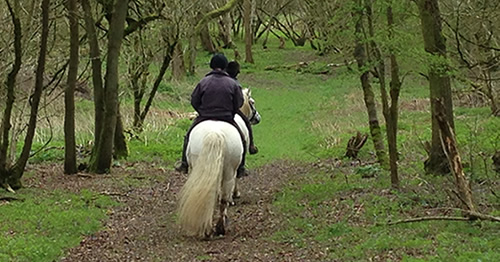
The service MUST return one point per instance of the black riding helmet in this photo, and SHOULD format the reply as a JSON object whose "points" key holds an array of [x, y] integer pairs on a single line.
{"points": [[218, 61], [233, 69]]}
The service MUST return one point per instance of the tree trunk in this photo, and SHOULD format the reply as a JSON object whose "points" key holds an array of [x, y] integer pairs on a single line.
{"points": [[19, 166], [104, 152], [10, 84], [267, 31], [449, 144], [154, 89], [69, 95], [369, 96], [439, 81], [247, 24], [95, 57], [380, 73], [191, 55], [120, 143], [137, 69], [225, 28], [395, 87], [206, 39], [207, 17], [178, 66]]}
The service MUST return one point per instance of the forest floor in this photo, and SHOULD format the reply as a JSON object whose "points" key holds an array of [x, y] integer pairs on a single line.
{"points": [[142, 227]]}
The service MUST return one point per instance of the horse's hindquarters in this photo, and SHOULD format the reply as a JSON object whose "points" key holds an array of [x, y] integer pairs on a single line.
{"points": [[234, 148], [214, 153]]}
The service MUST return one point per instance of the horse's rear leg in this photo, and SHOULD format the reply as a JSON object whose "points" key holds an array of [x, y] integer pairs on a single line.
{"points": [[220, 228], [236, 191], [226, 199]]}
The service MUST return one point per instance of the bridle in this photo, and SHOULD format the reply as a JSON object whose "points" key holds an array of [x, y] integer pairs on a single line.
{"points": [[254, 117]]}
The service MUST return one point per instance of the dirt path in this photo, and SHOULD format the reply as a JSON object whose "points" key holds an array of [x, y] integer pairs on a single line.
{"points": [[142, 228]]}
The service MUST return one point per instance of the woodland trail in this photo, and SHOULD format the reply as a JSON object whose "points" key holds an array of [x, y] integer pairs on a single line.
{"points": [[143, 228]]}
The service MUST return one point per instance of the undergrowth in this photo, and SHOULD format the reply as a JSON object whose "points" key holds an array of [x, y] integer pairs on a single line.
{"points": [[39, 225], [347, 218]]}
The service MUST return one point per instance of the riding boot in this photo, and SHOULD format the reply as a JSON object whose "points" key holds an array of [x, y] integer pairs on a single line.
{"points": [[241, 172], [252, 149], [183, 166]]}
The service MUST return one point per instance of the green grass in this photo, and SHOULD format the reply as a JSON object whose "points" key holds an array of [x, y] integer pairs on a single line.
{"points": [[44, 223], [344, 218]]}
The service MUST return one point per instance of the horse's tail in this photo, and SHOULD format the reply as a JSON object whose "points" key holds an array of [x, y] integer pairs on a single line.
{"points": [[200, 193]]}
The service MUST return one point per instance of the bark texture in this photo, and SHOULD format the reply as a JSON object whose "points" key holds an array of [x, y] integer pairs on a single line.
{"points": [[368, 94], [104, 149], [439, 81], [10, 84], [392, 125], [247, 24], [18, 169], [449, 144], [95, 57], [69, 94]]}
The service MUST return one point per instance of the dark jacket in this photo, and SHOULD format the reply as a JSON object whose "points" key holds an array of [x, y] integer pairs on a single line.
{"points": [[217, 95]]}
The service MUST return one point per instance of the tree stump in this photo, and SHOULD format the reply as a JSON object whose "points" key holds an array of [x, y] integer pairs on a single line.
{"points": [[355, 144]]}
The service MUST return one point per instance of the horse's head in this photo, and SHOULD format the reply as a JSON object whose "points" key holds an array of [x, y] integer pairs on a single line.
{"points": [[248, 108]]}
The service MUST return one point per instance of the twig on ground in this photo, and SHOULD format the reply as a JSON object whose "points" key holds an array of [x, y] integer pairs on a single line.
{"points": [[471, 216], [419, 219], [7, 198], [8, 188], [476, 215]]}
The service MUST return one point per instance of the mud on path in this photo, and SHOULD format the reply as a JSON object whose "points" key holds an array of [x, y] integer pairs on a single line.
{"points": [[143, 228]]}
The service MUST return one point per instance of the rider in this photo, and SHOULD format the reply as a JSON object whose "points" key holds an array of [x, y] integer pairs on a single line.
{"points": [[233, 69], [216, 97]]}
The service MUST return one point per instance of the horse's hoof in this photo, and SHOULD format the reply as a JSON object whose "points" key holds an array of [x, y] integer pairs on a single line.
{"points": [[236, 194], [208, 236], [219, 229]]}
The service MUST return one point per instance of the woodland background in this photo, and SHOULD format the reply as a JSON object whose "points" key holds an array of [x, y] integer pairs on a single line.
{"points": [[394, 104]]}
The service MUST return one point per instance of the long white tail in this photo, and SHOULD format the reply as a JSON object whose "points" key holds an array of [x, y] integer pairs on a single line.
{"points": [[200, 193]]}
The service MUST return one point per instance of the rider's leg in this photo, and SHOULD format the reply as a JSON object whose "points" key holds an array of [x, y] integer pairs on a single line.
{"points": [[241, 172], [241, 169], [183, 166], [252, 149]]}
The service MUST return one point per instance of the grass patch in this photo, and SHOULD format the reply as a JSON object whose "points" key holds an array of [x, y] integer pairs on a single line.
{"points": [[343, 218], [45, 223]]}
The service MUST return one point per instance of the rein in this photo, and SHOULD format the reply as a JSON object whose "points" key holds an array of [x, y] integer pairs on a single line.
{"points": [[253, 112]]}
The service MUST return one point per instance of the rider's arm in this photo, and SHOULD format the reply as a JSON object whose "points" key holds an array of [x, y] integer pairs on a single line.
{"points": [[238, 98], [196, 98]]}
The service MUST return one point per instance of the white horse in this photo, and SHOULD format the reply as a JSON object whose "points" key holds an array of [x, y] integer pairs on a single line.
{"points": [[214, 153]]}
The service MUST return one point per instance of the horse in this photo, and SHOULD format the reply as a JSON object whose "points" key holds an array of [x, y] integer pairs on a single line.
{"points": [[214, 153]]}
